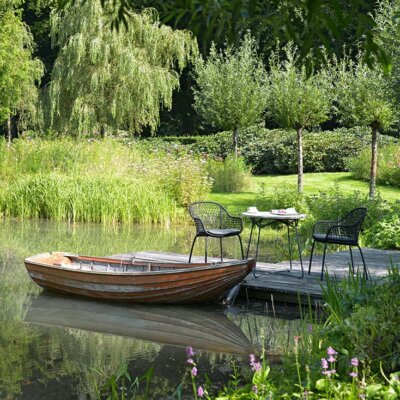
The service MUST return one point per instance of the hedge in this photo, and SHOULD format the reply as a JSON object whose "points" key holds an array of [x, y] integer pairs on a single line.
{"points": [[275, 151]]}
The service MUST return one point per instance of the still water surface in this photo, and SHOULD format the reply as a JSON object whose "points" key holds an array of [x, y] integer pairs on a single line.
{"points": [[58, 347]]}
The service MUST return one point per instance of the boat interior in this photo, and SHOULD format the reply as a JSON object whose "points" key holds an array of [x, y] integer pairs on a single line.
{"points": [[110, 264]]}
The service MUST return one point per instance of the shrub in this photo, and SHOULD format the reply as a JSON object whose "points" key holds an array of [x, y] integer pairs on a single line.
{"points": [[274, 151], [284, 197], [385, 234], [230, 175], [185, 179], [388, 165], [330, 205]]}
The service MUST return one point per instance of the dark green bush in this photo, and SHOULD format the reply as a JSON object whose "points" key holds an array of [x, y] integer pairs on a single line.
{"points": [[275, 151], [385, 234]]}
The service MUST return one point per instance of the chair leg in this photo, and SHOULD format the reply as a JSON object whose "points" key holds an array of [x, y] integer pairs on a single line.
{"points": [[352, 261], [191, 250], [205, 254], [241, 246], [220, 246], [323, 263], [364, 264], [312, 252]]}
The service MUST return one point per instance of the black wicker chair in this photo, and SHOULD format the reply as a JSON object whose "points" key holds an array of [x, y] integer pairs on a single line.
{"points": [[344, 231], [212, 220]]}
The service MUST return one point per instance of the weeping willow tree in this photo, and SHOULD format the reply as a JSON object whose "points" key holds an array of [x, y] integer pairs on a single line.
{"points": [[19, 70], [117, 79]]}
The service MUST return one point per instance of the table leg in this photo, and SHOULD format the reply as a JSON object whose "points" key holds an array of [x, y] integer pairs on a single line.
{"points": [[258, 242], [290, 246], [251, 235], [298, 246]]}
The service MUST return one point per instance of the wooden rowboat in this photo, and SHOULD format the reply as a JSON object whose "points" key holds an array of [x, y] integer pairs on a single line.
{"points": [[136, 280], [201, 328]]}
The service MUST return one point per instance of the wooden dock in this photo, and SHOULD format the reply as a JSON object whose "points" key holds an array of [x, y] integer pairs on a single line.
{"points": [[277, 282]]}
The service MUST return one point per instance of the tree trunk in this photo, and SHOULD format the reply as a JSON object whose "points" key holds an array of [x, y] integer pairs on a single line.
{"points": [[374, 162], [235, 143], [300, 160], [103, 131], [9, 132]]}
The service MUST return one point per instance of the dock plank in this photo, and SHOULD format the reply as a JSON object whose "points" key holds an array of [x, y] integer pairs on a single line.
{"points": [[276, 280]]}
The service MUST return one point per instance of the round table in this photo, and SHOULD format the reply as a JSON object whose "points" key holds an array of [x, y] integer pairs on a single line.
{"points": [[262, 219]]}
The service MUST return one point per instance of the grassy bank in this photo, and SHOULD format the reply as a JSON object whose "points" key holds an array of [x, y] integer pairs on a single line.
{"points": [[327, 196], [110, 181], [313, 183]]}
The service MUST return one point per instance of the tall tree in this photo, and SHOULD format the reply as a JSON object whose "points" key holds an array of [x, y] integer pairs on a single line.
{"points": [[230, 92], [19, 71], [309, 24], [388, 36], [119, 79], [296, 100], [365, 98]]}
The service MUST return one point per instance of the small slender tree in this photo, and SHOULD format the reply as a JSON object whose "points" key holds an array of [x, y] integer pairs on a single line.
{"points": [[297, 100], [230, 91], [19, 70], [365, 98], [107, 78]]}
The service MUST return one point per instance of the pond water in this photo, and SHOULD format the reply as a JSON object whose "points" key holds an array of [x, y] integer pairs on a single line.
{"points": [[55, 347]]}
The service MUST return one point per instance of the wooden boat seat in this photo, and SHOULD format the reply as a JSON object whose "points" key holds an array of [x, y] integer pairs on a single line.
{"points": [[55, 259]]}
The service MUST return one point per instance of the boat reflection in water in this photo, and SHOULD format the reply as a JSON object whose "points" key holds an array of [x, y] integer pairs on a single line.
{"points": [[175, 325]]}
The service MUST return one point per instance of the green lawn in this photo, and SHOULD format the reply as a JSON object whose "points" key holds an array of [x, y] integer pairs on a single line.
{"points": [[238, 202]]}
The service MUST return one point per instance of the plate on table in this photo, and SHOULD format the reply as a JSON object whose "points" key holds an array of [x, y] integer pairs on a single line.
{"points": [[285, 213]]}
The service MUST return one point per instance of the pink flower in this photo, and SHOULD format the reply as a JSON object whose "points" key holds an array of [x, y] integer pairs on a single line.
{"points": [[189, 352], [353, 374], [190, 361], [331, 359], [324, 363], [252, 358], [256, 367], [354, 362], [194, 371], [330, 351], [200, 391], [254, 389]]}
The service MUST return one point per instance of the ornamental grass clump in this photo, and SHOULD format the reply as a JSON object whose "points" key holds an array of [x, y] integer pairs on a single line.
{"points": [[230, 175]]}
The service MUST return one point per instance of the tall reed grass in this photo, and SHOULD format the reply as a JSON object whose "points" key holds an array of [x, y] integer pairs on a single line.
{"points": [[97, 181]]}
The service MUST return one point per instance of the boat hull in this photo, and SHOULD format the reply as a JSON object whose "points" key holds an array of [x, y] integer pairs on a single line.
{"points": [[135, 281]]}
